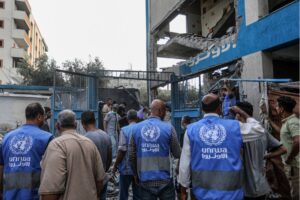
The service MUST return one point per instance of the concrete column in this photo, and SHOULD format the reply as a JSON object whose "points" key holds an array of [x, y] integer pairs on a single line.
{"points": [[255, 9], [256, 65]]}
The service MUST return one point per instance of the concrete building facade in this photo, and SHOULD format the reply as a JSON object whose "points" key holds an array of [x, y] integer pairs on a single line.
{"points": [[250, 39], [20, 38]]}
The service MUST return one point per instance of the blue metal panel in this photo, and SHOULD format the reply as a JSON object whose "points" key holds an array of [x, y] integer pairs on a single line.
{"points": [[279, 80], [25, 87], [194, 113], [92, 94], [272, 31], [77, 112]]}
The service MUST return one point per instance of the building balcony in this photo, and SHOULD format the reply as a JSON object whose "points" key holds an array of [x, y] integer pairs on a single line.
{"points": [[18, 53], [21, 19], [23, 5], [21, 38]]}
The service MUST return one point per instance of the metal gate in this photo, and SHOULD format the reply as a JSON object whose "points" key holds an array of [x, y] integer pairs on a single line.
{"points": [[74, 91]]}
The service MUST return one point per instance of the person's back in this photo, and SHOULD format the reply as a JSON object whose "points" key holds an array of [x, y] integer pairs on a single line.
{"points": [[74, 173], [215, 152], [103, 144], [152, 142], [21, 153], [256, 142], [255, 182], [152, 138], [111, 119], [72, 166]]}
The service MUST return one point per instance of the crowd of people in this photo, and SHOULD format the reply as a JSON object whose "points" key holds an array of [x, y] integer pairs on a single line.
{"points": [[221, 156]]}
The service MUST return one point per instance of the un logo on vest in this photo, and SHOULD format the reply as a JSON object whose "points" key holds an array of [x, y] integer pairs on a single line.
{"points": [[213, 134], [150, 133], [20, 144]]}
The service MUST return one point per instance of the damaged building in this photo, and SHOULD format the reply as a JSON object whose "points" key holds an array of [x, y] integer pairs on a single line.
{"points": [[247, 39]]}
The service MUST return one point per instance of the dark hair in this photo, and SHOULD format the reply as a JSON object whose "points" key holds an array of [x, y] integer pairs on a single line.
{"points": [[187, 119], [47, 109], [33, 110], [212, 106], [88, 117], [287, 103], [132, 115], [246, 107]]}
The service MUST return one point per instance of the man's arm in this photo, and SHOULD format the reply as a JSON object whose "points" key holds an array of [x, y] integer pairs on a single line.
{"points": [[274, 126], [278, 152], [109, 158], [184, 177], [121, 151], [99, 170], [105, 123], [275, 148], [175, 146], [239, 111], [294, 129], [295, 150], [120, 156], [54, 173], [133, 159]]}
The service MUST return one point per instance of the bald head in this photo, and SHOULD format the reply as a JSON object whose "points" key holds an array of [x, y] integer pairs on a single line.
{"points": [[211, 104], [158, 108]]}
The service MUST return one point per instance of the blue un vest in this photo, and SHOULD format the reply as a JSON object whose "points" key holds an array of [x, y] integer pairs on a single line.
{"points": [[152, 138], [215, 159], [124, 167], [22, 151]]}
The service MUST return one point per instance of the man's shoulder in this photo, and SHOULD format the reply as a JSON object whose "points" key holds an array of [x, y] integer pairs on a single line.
{"points": [[228, 121], [97, 134], [129, 126], [65, 138], [293, 120], [33, 131]]}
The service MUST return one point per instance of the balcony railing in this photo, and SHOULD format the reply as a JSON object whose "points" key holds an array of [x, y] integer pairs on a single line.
{"points": [[21, 19], [18, 53], [21, 38], [23, 5]]}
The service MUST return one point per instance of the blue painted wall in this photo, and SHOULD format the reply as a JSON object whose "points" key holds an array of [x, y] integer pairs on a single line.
{"points": [[272, 31]]}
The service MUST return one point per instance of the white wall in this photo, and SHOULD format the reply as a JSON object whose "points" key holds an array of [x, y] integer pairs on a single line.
{"points": [[214, 13], [256, 65], [7, 73], [255, 9], [161, 9], [13, 108]]}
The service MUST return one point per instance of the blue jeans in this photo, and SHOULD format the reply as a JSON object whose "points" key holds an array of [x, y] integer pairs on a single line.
{"points": [[164, 192], [103, 192], [125, 181]]}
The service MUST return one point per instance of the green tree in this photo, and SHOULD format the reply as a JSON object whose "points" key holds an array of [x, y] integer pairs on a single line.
{"points": [[41, 73], [93, 67]]}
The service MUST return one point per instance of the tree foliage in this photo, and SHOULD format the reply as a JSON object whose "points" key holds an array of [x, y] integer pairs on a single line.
{"points": [[42, 73]]}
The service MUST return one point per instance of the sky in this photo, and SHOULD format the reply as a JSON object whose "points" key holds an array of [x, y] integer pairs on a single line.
{"points": [[115, 31]]}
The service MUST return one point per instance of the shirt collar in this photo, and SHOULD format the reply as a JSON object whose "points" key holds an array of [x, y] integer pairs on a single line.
{"points": [[155, 117], [211, 115], [289, 117], [71, 131]]}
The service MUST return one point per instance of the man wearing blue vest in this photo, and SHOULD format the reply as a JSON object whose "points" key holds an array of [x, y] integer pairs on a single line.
{"points": [[151, 144], [21, 153], [122, 161], [210, 158]]}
